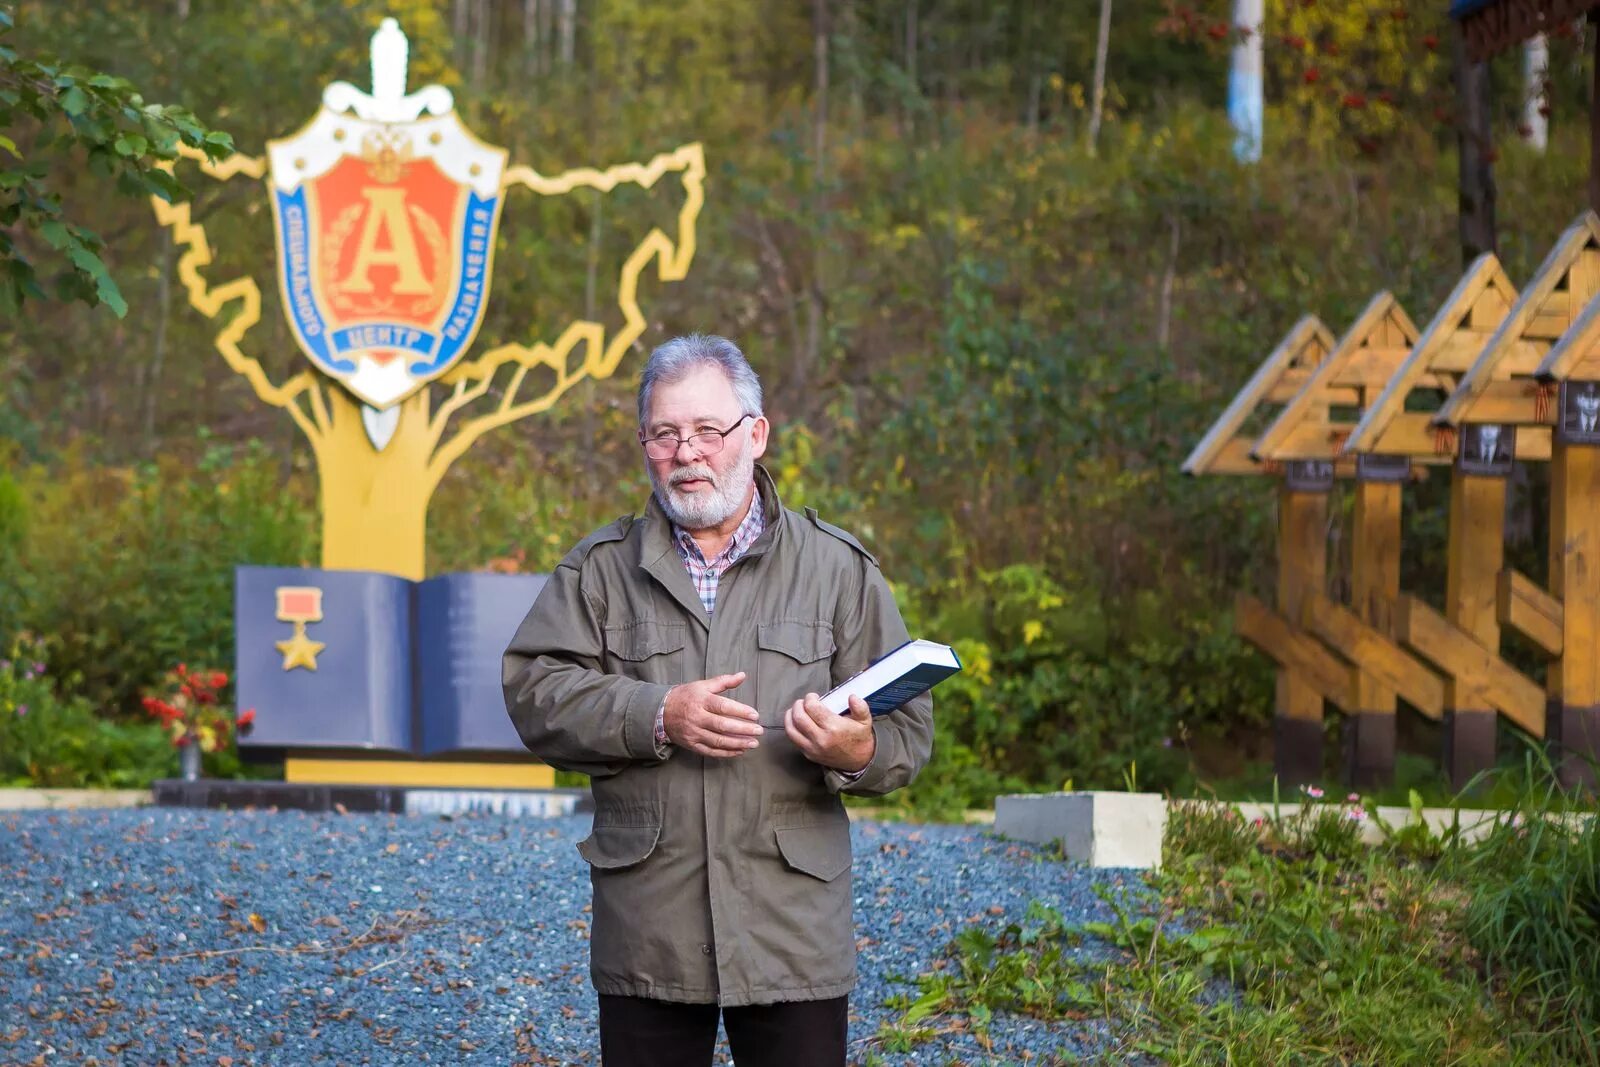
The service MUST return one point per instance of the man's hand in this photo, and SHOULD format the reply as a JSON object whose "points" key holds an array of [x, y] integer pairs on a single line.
{"points": [[843, 742], [697, 719]]}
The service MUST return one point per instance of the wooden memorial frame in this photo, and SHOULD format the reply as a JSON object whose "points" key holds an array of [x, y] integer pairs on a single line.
{"points": [[1447, 349], [1307, 672], [1546, 340], [1368, 355], [1573, 682]]}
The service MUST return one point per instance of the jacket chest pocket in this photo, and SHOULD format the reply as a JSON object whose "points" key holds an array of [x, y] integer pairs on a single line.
{"points": [[648, 650], [796, 659]]}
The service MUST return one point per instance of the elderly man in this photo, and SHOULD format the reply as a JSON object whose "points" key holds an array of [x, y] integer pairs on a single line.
{"points": [[676, 658]]}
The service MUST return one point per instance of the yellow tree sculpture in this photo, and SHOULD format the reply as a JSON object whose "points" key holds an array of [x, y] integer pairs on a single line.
{"points": [[378, 468]]}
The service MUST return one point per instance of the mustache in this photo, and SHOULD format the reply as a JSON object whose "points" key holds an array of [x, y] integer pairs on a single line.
{"points": [[687, 474]]}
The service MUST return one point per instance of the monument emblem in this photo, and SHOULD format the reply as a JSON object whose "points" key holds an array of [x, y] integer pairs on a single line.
{"points": [[386, 211]]}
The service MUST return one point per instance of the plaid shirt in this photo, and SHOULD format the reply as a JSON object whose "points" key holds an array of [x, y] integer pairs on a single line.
{"points": [[706, 575]]}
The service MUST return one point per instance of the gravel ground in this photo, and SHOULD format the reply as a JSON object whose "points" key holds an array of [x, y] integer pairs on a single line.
{"points": [[167, 936]]}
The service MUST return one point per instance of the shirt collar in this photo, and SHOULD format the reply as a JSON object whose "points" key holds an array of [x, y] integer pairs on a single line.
{"points": [[744, 536]]}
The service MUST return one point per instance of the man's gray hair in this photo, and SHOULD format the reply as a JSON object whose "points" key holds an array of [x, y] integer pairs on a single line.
{"points": [[675, 359]]}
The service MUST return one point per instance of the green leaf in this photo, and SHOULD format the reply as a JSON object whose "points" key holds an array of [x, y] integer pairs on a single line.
{"points": [[55, 232], [74, 101]]}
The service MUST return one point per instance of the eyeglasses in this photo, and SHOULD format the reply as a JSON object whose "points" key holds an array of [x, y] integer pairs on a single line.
{"points": [[707, 442]]}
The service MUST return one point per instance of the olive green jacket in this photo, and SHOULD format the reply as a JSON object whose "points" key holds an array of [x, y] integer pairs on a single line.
{"points": [[715, 880]]}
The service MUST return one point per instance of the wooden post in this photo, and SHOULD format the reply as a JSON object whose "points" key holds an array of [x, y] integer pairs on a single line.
{"points": [[1302, 568], [1477, 550], [1374, 587], [1573, 682]]}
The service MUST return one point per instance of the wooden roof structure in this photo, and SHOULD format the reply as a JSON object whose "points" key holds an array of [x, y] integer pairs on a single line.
{"points": [[1225, 449], [1576, 356], [1499, 387], [1448, 347], [1361, 364]]}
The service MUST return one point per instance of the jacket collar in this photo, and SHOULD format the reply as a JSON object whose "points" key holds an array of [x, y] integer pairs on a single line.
{"points": [[659, 556]]}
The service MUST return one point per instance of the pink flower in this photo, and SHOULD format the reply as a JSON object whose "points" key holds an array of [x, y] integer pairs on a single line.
{"points": [[1354, 798], [22, 709], [1260, 820], [1314, 792], [1355, 814]]}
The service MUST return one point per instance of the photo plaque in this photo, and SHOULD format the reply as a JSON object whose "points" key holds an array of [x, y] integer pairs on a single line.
{"points": [[1487, 448]]}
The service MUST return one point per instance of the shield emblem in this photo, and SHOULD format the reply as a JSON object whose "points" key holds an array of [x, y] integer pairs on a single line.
{"points": [[385, 208]]}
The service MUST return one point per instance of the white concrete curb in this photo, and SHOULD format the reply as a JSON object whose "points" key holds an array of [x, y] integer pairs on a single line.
{"points": [[35, 799], [1099, 829]]}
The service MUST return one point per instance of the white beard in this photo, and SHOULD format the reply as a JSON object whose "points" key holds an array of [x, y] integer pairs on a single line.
{"points": [[707, 508]]}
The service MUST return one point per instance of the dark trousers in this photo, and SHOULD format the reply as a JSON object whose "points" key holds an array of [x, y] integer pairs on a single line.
{"points": [[636, 1032]]}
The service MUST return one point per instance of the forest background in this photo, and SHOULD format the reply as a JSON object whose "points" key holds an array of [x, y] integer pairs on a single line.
{"points": [[992, 307]]}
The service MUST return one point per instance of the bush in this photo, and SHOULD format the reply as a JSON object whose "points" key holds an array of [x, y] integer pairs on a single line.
{"points": [[51, 741], [130, 570], [1054, 692]]}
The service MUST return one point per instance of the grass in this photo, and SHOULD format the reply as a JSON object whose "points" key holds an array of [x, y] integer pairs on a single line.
{"points": [[1288, 941]]}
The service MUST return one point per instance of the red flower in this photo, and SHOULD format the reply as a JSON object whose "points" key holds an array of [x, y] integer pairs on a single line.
{"points": [[218, 679], [1217, 31], [1430, 42], [180, 742], [1312, 74], [1354, 101], [247, 716]]}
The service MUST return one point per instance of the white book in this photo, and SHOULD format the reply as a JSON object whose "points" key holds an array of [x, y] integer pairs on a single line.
{"points": [[896, 677]]}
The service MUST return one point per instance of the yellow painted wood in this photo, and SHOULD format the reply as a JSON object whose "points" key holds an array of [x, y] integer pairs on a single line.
{"points": [[1575, 572], [418, 773], [1301, 350], [1476, 549], [1320, 673], [1294, 381], [1479, 672], [1375, 576], [375, 503], [1525, 607], [1302, 569], [1374, 654], [1367, 355], [1311, 439], [1449, 345], [1514, 400], [1518, 326], [1578, 345], [1235, 458]]}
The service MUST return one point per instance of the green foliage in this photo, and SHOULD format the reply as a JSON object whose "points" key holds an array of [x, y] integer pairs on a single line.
{"points": [[1284, 941], [52, 114], [131, 569], [985, 350], [1050, 693], [56, 741], [1534, 916]]}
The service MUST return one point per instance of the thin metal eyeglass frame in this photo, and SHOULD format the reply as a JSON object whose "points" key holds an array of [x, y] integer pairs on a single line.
{"points": [[701, 449]]}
